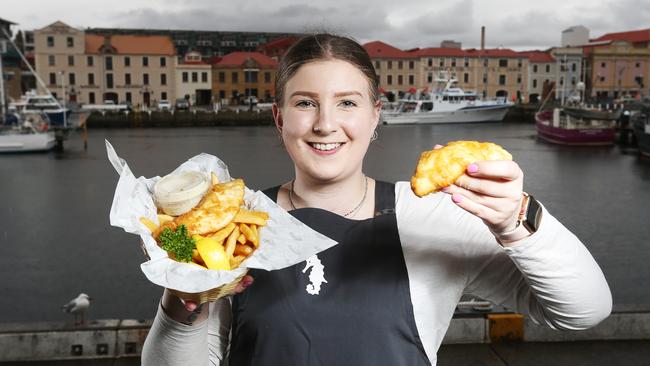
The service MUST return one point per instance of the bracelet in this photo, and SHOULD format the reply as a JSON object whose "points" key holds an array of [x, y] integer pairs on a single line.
{"points": [[518, 233]]}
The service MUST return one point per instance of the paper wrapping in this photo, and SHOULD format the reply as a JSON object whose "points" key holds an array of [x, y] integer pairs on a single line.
{"points": [[284, 241]]}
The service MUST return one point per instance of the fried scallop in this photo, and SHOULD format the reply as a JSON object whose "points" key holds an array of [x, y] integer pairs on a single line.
{"points": [[440, 168], [216, 210]]}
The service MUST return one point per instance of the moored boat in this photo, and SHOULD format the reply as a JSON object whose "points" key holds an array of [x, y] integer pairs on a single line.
{"points": [[30, 135], [559, 127], [641, 127]]}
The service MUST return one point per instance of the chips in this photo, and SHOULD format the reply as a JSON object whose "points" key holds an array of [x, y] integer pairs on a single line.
{"points": [[236, 234]]}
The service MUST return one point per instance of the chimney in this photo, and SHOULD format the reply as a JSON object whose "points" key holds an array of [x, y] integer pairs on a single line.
{"points": [[482, 38]]}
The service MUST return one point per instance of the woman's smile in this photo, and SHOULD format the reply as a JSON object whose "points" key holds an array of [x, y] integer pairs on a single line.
{"points": [[322, 148]]}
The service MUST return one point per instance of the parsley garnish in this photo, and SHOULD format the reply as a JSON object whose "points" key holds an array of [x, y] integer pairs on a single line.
{"points": [[178, 242]]}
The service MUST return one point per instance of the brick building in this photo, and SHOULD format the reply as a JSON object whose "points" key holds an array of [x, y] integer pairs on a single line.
{"points": [[239, 75]]}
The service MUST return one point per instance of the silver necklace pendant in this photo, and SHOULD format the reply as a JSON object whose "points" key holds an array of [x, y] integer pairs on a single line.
{"points": [[355, 209]]}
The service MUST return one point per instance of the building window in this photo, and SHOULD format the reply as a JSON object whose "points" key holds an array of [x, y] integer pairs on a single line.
{"points": [[466, 63], [548, 68], [109, 81], [442, 62], [70, 41], [127, 79], [163, 96], [250, 76], [71, 78], [400, 80], [145, 79], [128, 97], [603, 65], [222, 94], [429, 77], [602, 79], [573, 80], [50, 41], [267, 77], [127, 61], [52, 78], [195, 77], [519, 62], [145, 61], [390, 65], [411, 65], [377, 63], [430, 62], [51, 60], [534, 83], [185, 79], [235, 77], [573, 67], [503, 62], [70, 60], [465, 78], [109, 62], [163, 79], [204, 77], [389, 79], [163, 62], [485, 62], [453, 62], [519, 79], [411, 79], [91, 79], [534, 68], [222, 77], [638, 64], [400, 65], [485, 78], [502, 80], [91, 98], [90, 61], [561, 81]]}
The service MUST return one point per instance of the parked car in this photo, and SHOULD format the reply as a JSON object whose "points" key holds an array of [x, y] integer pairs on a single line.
{"points": [[182, 104], [164, 105], [250, 100]]}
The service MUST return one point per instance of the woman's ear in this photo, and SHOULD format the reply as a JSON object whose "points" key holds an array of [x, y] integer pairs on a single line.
{"points": [[377, 113], [277, 117]]}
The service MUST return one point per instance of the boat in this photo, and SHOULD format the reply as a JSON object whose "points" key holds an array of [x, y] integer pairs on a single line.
{"points": [[641, 128], [37, 104], [450, 104], [29, 135], [558, 126], [589, 112]]}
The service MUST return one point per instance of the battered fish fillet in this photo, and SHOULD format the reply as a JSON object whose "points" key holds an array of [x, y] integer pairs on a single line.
{"points": [[442, 167], [216, 210]]}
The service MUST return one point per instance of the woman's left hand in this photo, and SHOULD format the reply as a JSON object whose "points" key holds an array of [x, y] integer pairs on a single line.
{"points": [[492, 191]]}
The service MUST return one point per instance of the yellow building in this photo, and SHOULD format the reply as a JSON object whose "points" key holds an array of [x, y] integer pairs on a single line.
{"points": [[241, 75]]}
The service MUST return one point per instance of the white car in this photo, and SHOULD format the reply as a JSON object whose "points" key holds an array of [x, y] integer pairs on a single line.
{"points": [[164, 105]]}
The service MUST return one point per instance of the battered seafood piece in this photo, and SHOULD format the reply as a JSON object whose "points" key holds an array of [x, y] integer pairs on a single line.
{"points": [[442, 167], [216, 210]]}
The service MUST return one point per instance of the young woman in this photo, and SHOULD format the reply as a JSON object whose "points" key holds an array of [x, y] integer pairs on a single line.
{"points": [[386, 293]]}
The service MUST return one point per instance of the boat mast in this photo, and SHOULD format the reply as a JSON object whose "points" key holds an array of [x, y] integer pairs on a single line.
{"points": [[40, 81], [2, 87]]}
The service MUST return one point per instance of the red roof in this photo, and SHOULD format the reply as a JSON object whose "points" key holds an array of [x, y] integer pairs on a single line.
{"points": [[131, 44], [379, 49], [636, 36], [441, 52], [493, 52], [538, 56], [284, 42], [236, 59]]}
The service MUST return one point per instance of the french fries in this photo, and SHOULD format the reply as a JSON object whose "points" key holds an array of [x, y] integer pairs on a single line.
{"points": [[238, 239]]}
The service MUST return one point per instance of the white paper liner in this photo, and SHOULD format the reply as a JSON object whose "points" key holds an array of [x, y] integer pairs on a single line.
{"points": [[285, 241]]}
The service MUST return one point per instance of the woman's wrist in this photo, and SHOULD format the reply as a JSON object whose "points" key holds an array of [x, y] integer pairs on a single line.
{"points": [[177, 310]]}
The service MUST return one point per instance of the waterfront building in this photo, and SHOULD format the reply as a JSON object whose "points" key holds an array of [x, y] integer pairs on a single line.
{"points": [[397, 71], [93, 68], [277, 48], [577, 35], [569, 72], [238, 76], [194, 79], [541, 74], [208, 43]]}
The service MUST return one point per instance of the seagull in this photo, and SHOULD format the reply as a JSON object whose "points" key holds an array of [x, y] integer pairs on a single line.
{"points": [[78, 307]]}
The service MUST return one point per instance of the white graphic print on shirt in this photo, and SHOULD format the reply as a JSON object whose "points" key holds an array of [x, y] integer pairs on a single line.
{"points": [[316, 275]]}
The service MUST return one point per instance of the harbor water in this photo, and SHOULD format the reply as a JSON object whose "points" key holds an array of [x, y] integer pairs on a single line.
{"points": [[56, 238]]}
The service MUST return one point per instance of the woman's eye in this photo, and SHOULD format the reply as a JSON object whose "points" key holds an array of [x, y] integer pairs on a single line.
{"points": [[305, 104], [348, 103]]}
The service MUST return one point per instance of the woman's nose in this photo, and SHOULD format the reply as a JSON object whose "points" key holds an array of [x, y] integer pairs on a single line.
{"points": [[326, 122]]}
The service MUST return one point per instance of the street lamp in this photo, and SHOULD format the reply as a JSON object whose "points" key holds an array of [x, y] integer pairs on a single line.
{"points": [[65, 117]]}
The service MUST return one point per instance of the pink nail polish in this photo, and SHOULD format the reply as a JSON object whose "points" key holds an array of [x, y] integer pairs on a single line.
{"points": [[472, 168], [247, 282], [456, 198], [445, 189]]}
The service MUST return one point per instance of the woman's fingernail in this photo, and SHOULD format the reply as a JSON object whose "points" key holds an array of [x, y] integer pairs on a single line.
{"points": [[472, 168], [246, 282], [445, 189], [438, 146], [457, 198], [190, 305]]}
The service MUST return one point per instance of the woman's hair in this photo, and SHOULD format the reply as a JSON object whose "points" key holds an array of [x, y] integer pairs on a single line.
{"points": [[322, 47]]}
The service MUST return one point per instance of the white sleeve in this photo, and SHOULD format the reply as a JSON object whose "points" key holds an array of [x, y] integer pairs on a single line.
{"points": [[549, 275], [172, 343]]}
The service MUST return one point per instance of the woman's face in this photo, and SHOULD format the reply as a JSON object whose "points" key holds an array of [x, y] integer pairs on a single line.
{"points": [[327, 119]]}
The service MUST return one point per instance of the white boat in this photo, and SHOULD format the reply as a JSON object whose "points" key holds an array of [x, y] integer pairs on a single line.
{"points": [[449, 105], [37, 104], [28, 136]]}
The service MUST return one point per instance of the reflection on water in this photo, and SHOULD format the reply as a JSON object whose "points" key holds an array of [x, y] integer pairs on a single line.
{"points": [[57, 240]]}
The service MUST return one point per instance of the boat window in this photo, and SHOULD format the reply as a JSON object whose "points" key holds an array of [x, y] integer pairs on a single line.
{"points": [[426, 106], [408, 107]]}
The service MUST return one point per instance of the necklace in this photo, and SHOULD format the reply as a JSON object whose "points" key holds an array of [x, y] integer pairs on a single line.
{"points": [[355, 209]]}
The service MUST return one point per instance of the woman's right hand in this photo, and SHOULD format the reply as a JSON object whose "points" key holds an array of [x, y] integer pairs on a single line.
{"points": [[241, 286]]}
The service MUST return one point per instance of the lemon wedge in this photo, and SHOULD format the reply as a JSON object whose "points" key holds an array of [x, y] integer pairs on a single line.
{"points": [[212, 253]]}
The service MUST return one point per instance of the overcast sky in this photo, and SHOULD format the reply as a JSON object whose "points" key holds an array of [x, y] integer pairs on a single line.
{"points": [[517, 24]]}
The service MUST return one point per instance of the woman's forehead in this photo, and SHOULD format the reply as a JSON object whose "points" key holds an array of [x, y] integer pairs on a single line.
{"points": [[328, 76]]}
